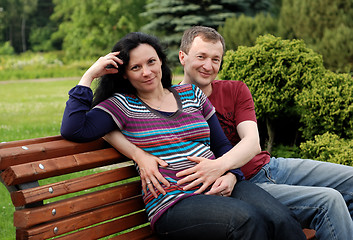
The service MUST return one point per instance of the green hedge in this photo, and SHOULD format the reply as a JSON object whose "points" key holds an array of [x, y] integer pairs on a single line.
{"points": [[329, 147]]}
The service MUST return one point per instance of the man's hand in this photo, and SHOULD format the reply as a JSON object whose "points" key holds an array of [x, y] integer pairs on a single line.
{"points": [[224, 185], [206, 172]]}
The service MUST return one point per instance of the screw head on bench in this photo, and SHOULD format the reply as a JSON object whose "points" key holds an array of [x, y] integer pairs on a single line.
{"points": [[56, 229], [24, 148], [53, 212], [41, 166], [51, 190]]}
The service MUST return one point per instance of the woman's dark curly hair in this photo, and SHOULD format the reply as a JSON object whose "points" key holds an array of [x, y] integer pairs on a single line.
{"points": [[116, 83]]}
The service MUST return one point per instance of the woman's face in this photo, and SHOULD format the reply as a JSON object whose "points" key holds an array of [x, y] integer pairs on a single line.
{"points": [[144, 70]]}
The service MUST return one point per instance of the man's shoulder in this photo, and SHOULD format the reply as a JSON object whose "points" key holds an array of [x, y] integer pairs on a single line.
{"points": [[228, 82], [228, 85]]}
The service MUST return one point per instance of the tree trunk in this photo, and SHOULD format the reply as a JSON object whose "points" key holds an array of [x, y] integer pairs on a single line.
{"points": [[271, 136], [23, 34]]}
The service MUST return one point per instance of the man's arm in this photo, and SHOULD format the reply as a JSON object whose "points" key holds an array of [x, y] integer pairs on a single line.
{"points": [[207, 171]]}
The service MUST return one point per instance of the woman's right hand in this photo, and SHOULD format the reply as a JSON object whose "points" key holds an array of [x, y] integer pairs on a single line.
{"points": [[148, 164], [104, 65], [149, 173]]}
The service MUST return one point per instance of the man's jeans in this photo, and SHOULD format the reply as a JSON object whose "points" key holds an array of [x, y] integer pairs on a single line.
{"points": [[320, 194], [250, 213]]}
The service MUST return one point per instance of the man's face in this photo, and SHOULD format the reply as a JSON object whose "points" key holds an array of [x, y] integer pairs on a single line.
{"points": [[202, 63]]}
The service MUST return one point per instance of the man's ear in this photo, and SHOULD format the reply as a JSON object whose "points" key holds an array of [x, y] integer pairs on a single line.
{"points": [[181, 57]]}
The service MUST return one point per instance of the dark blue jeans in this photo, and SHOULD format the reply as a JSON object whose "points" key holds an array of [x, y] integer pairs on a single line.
{"points": [[250, 213]]}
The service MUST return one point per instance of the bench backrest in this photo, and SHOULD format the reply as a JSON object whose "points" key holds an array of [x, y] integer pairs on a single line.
{"points": [[72, 190]]}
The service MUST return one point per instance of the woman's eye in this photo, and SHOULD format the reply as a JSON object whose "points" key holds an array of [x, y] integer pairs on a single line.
{"points": [[134, 68], [151, 61]]}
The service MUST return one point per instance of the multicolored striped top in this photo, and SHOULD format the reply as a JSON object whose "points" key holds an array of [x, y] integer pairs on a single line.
{"points": [[170, 137]]}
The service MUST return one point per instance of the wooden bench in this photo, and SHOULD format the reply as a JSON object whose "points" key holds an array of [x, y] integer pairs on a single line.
{"points": [[105, 203]]}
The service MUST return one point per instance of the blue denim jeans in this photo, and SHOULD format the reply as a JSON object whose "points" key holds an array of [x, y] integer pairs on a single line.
{"points": [[320, 194], [250, 213]]}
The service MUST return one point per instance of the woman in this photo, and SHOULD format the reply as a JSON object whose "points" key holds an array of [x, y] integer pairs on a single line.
{"points": [[170, 122]]}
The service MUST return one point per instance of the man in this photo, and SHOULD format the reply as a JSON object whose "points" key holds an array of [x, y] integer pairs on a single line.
{"points": [[320, 194]]}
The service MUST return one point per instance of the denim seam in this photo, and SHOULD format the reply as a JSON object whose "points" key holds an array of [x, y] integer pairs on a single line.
{"points": [[183, 229], [332, 231]]}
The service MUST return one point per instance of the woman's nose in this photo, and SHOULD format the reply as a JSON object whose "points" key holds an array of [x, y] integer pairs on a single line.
{"points": [[146, 71]]}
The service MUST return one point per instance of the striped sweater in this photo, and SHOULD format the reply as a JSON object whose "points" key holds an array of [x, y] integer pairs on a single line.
{"points": [[171, 138]]}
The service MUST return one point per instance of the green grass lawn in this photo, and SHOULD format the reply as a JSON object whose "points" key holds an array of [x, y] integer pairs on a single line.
{"points": [[28, 109], [32, 109]]}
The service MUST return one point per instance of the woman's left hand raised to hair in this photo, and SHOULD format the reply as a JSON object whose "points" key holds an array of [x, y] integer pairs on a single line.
{"points": [[104, 65]]}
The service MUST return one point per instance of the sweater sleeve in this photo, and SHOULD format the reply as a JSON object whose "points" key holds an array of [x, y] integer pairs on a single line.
{"points": [[80, 123], [220, 143]]}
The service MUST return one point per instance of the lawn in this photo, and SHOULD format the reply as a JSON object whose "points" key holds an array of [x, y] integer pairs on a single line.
{"points": [[29, 109], [32, 109]]}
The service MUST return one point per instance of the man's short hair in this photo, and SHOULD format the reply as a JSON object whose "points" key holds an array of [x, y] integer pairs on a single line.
{"points": [[206, 33]]}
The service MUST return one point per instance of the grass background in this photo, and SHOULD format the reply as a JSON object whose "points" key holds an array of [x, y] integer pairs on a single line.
{"points": [[28, 109]]}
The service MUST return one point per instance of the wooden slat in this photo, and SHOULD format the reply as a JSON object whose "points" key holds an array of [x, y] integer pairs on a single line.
{"points": [[22, 197], [45, 150], [28, 217], [87, 219], [26, 142], [309, 233], [30, 172], [138, 234], [109, 228]]}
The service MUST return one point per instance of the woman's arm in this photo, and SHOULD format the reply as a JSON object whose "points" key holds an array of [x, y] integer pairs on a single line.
{"points": [[79, 123], [148, 164]]}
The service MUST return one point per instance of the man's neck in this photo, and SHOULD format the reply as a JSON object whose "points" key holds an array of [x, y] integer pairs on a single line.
{"points": [[207, 89]]}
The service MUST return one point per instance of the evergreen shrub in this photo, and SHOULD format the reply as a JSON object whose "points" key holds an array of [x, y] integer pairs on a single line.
{"points": [[329, 147]]}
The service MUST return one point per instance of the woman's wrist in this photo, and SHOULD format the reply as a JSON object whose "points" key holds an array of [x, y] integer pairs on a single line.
{"points": [[86, 80]]}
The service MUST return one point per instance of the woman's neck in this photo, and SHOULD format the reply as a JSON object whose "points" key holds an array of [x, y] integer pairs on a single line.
{"points": [[155, 99]]}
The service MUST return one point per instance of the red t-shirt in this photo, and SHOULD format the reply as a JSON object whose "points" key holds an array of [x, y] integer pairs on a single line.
{"points": [[234, 104]]}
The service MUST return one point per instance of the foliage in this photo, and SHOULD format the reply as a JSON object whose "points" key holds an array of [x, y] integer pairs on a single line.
{"points": [[90, 28], [329, 147], [327, 105], [311, 20], [337, 48], [243, 30], [16, 14], [285, 151], [275, 71], [6, 49], [30, 65], [169, 18], [41, 28]]}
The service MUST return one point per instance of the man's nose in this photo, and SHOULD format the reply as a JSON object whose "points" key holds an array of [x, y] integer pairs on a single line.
{"points": [[207, 64]]}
